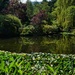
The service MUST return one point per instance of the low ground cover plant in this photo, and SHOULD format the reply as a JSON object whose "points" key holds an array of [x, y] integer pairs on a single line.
{"points": [[36, 64]]}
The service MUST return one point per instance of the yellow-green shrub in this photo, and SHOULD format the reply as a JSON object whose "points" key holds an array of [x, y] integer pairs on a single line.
{"points": [[47, 29], [27, 30]]}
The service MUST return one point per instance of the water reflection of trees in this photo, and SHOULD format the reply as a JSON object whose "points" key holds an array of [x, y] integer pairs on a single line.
{"points": [[12, 44], [64, 44], [54, 44]]}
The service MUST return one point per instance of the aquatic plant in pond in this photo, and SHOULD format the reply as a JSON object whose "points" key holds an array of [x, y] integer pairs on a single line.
{"points": [[36, 64]]}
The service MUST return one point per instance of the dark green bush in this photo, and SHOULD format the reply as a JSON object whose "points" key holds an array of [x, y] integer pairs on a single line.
{"points": [[9, 25]]}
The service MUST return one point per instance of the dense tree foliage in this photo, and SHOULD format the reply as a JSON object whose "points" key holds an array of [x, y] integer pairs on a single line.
{"points": [[3, 4], [18, 9], [49, 16], [29, 9], [38, 18], [64, 14], [51, 5]]}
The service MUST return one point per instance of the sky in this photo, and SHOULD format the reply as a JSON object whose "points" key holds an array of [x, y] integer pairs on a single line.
{"points": [[31, 0]]}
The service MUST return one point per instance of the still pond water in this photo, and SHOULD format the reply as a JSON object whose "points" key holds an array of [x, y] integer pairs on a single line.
{"points": [[48, 44]]}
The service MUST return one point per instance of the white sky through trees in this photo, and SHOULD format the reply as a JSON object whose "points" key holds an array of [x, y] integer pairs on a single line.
{"points": [[32, 0]]}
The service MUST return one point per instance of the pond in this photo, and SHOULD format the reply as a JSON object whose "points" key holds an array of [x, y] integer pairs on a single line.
{"points": [[59, 44]]}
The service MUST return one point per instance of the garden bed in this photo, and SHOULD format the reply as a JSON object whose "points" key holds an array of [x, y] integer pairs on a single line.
{"points": [[36, 64]]}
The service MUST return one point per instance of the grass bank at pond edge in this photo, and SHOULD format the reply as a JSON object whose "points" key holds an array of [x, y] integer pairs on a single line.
{"points": [[36, 64]]}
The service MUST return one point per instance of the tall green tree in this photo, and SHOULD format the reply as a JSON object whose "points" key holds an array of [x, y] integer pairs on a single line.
{"points": [[51, 5], [29, 9], [43, 6], [70, 18], [35, 8], [61, 13], [44, 1], [3, 4]]}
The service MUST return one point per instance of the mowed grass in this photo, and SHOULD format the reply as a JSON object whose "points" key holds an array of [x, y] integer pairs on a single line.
{"points": [[36, 64]]}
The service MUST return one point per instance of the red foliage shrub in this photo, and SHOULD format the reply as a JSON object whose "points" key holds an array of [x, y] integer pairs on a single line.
{"points": [[18, 9], [38, 18]]}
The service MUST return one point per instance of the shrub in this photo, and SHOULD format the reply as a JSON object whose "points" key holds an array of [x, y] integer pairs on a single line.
{"points": [[28, 30], [47, 29], [38, 18], [9, 25]]}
